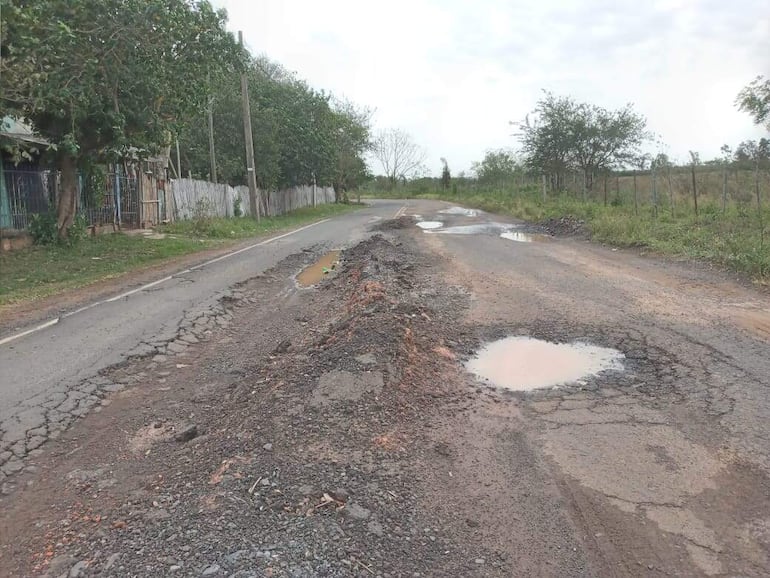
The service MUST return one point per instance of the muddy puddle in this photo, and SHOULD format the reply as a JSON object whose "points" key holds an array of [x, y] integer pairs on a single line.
{"points": [[315, 273], [520, 237], [478, 229], [523, 363], [428, 225], [460, 211]]}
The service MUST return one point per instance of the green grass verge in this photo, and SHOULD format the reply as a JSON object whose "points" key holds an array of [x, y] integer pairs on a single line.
{"points": [[243, 227], [732, 240], [41, 271]]}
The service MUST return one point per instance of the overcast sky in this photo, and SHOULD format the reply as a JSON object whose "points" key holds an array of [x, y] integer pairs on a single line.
{"points": [[453, 73]]}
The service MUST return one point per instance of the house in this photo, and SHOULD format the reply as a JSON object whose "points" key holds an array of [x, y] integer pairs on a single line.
{"points": [[26, 185]]}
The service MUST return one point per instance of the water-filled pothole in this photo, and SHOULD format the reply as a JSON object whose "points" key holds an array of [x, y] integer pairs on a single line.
{"points": [[520, 237], [523, 363], [477, 229], [314, 273], [460, 211], [430, 225]]}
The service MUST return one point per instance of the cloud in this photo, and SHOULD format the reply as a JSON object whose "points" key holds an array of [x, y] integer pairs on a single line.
{"points": [[454, 73]]}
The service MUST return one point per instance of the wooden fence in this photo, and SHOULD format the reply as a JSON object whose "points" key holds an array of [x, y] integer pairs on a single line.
{"points": [[195, 199]]}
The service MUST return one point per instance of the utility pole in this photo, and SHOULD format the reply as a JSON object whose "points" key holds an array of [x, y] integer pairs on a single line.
{"points": [[212, 156], [178, 160], [249, 138]]}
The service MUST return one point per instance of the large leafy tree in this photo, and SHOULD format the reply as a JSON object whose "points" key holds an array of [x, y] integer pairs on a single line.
{"points": [[95, 77], [755, 100], [562, 134], [498, 167], [300, 134]]}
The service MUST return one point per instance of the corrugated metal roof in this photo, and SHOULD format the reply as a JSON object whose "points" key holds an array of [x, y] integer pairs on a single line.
{"points": [[18, 130]]}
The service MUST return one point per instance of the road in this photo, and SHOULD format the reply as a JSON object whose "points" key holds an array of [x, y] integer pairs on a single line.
{"points": [[44, 381], [343, 436], [667, 464]]}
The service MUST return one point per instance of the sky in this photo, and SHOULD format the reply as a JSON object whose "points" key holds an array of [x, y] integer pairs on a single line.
{"points": [[455, 73]]}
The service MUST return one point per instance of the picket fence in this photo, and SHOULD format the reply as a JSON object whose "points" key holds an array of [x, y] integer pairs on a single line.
{"points": [[195, 199]]}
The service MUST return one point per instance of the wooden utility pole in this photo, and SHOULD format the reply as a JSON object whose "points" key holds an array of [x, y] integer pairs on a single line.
{"points": [[249, 138], [212, 155], [178, 160]]}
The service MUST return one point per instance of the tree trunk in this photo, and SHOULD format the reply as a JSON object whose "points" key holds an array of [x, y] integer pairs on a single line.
{"points": [[68, 195]]}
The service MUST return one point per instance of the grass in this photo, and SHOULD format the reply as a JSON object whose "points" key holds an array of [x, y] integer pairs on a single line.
{"points": [[243, 227], [732, 240], [41, 271]]}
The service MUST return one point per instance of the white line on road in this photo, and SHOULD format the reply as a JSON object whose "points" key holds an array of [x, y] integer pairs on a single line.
{"points": [[28, 331], [56, 320]]}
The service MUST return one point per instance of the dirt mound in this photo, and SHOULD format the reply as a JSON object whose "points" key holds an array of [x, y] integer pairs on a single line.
{"points": [[309, 456], [403, 222]]}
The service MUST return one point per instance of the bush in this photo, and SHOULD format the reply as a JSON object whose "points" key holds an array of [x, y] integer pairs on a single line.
{"points": [[44, 231], [42, 227]]}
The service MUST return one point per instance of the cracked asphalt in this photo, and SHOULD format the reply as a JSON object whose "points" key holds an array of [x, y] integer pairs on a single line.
{"points": [[666, 463], [662, 469], [51, 378]]}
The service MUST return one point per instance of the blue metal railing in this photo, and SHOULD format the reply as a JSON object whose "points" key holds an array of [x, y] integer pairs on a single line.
{"points": [[24, 193]]}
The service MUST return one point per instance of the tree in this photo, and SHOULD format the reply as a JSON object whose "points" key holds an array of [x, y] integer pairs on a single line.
{"points": [[498, 167], [107, 75], [563, 134], [545, 137], [754, 99], [446, 175], [352, 141], [398, 154], [300, 135]]}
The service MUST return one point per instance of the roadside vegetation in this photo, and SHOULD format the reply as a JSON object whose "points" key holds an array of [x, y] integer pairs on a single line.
{"points": [[43, 270], [593, 168], [731, 239]]}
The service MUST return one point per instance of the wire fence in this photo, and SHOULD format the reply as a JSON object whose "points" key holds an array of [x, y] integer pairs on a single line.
{"points": [[24, 193]]}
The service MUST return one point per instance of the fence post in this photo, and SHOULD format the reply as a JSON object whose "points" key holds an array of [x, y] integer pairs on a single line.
{"points": [[117, 213]]}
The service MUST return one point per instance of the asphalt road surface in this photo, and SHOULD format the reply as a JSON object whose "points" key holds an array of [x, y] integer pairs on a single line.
{"points": [[658, 467], [43, 376]]}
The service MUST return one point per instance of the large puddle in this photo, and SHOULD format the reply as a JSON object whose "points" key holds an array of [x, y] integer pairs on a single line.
{"points": [[460, 211], [523, 363], [315, 273], [479, 229], [427, 225], [520, 237]]}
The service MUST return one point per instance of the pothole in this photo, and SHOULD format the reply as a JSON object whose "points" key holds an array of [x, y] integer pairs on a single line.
{"points": [[426, 225], [523, 363], [520, 237], [478, 229], [315, 273], [460, 211]]}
